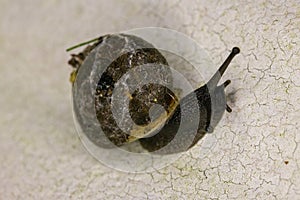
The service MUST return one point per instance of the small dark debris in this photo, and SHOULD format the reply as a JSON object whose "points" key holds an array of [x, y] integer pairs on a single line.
{"points": [[286, 162]]}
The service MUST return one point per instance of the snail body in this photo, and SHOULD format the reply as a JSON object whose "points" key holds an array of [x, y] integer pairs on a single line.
{"points": [[108, 61]]}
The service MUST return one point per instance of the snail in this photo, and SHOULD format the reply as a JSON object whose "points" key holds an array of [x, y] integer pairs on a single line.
{"points": [[96, 77]]}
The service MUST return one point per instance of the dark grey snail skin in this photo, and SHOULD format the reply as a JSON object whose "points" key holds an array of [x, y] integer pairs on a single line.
{"points": [[211, 104], [134, 51]]}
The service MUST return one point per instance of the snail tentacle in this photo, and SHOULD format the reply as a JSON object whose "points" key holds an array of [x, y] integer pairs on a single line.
{"points": [[228, 109], [226, 83], [212, 83]]}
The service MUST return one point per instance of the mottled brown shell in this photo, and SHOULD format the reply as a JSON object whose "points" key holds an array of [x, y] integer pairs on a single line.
{"points": [[131, 52]]}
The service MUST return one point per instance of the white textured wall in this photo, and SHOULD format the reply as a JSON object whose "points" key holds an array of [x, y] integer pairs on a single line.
{"points": [[256, 149]]}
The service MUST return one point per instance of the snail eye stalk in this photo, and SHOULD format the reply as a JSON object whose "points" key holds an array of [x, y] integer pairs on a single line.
{"points": [[212, 83]]}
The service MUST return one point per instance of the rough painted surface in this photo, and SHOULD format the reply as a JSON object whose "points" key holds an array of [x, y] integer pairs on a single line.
{"points": [[254, 153]]}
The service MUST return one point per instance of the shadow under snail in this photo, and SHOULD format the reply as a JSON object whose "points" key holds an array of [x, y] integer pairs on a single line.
{"points": [[112, 56]]}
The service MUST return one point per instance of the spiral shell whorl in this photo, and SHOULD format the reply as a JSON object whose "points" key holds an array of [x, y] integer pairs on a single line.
{"points": [[111, 60]]}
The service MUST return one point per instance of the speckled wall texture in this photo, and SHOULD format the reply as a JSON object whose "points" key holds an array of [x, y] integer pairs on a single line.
{"points": [[254, 151]]}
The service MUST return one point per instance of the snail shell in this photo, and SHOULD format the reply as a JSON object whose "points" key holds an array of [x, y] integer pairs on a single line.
{"points": [[101, 73]]}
